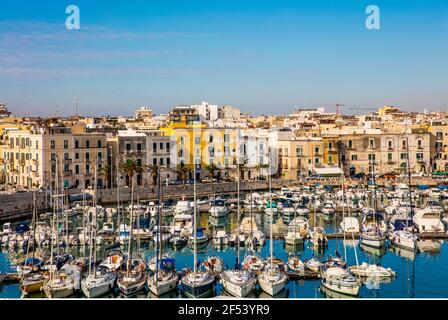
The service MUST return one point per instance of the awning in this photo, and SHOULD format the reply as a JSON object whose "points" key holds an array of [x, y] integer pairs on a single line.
{"points": [[328, 172]]}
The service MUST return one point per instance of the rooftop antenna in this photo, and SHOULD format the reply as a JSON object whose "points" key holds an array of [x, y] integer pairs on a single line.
{"points": [[76, 105]]}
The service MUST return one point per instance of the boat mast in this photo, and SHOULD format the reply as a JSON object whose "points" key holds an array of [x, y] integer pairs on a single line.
{"points": [[195, 259], [343, 208], [272, 216], [409, 175], [238, 209], [130, 227], [53, 222], [158, 225]]}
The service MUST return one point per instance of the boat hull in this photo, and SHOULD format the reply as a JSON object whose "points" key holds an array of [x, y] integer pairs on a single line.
{"points": [[272, 287], [162, 287], [198, 291], [334, 286], [97, 291], [239, 290]]}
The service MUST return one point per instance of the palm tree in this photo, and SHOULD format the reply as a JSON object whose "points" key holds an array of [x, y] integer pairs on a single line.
{"points": [[182, 172], [154, 173], [211, 168], [107, 171]]}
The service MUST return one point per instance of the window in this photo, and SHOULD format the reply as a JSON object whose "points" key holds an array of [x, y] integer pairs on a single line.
{"points": [[167, 161], [99, 144], [372, 143], [154, 161], [53, 157], [389, 157], [167, 146], [65, 144], [77, 155], [330, 145], [316, 160], [76, 144], [210, 138], [37, 144], [403, 156], [316, 150], [419, 143], [161, 145], [354, 157], [403, 144], [299, 151], [389, 144], [77, 169], [139, 147], [330, 159], [87, 156], [100, 156], [227, 139], [350, 144], [128, 147], [52, 144], [371, 157], [226, 150], [419, 156], [11, 142], [154, 147], [139, 162], [343, 157], [161, 161], [87, 143], [211, 151], [87, 168], [182, 140], [66, 168], [66, 156]]}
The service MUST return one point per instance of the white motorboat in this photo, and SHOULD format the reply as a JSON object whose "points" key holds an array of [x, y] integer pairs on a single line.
{"points": [[183, 207], [220, 238], [428, 221], [218, 209], [372, 270], [293, 236], [350, 225]]}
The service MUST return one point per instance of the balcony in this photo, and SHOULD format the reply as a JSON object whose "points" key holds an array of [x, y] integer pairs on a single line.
{"points": [[68, 172], [390, 162], [67, 161], [390, 148]]}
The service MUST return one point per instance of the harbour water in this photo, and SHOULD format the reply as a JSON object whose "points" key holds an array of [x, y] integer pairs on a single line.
{"points": [[419, 275]]}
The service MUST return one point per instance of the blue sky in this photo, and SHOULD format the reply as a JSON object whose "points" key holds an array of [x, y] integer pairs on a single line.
{"points": [[261, 56]]}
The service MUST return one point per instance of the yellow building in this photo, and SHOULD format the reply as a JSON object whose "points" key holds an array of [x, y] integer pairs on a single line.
{"points": [[197, 143]]}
